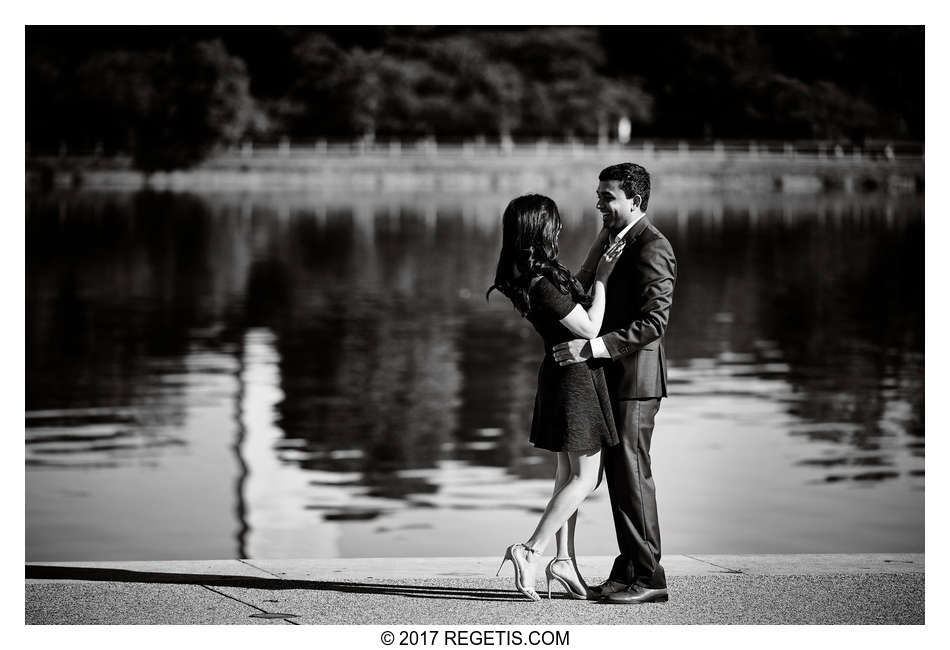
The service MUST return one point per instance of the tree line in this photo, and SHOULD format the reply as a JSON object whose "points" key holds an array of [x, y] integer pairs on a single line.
{"points": [[171, 95]]}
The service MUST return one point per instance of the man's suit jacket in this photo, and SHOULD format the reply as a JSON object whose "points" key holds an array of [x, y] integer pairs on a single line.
{"points": [[639, 297]]}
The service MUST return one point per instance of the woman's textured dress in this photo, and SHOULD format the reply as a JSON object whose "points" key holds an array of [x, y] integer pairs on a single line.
{"points": [[572, 408]]}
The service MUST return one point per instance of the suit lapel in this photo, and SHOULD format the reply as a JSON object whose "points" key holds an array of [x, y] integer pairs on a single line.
{"points": [[637, 230], [630, 236], [619, 282]]}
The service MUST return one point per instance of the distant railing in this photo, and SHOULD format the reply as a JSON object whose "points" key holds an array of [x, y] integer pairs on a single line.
{"points": [[285, 148], [817, 148]]}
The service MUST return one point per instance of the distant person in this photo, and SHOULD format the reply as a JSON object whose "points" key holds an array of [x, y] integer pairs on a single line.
{"points": [[572, 410], [639, 297]]}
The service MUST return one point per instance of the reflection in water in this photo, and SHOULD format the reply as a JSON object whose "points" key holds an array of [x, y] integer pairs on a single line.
{"points": [[273, 491], [331, 375]]}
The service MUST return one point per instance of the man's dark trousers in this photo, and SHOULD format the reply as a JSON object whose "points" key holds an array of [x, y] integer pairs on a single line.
{"points": [[633, 495]]}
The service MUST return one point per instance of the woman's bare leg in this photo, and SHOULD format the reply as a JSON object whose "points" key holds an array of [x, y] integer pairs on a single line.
{"points": [[565, 534], [560, 513], [564, 537], [562, 506]]}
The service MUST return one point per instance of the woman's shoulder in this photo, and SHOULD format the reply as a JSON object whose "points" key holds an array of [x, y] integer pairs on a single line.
{"points": [[547, 295], [535, 281], [542, 284]]}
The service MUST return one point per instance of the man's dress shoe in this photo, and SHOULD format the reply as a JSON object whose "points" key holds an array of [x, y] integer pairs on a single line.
{"points": [[604, 588], [637, 595]]}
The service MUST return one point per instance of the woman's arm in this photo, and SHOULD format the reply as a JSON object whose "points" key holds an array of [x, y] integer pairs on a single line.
{"points": [[586, 323]]}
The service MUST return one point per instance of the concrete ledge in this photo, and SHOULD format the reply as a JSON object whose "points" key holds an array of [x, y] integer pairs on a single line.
{"points": [[422, 568], [747, 589]]}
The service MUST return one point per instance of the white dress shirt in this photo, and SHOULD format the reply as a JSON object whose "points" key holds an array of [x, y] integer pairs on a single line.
{"points": [[597, 347]]}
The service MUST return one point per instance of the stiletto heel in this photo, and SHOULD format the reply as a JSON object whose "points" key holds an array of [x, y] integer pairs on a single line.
{"points": [[503, 560], [576, 591]]}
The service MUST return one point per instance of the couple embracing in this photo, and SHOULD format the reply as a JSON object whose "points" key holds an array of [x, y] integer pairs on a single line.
{"points": [[601, 380]]}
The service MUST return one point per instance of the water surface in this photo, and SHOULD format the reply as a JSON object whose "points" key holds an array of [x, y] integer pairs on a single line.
{"points": [[305, 376]]}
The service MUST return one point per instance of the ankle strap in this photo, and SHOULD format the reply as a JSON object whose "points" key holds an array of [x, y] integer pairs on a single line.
{"points": [[529, 549]]}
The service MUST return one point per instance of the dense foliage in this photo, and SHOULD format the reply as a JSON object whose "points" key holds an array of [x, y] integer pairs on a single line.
{"points": [[170, 95]]}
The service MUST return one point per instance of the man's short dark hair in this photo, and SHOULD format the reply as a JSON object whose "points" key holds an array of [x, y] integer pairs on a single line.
{"points": [[633, 178]]}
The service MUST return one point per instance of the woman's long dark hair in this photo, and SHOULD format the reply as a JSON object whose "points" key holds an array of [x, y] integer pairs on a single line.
{"points": [[530, 227]]}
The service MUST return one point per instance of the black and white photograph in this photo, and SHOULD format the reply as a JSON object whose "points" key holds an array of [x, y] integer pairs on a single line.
{"points": [[474, 333]]}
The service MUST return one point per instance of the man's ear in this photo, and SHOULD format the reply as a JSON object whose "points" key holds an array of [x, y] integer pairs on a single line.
{"points": [[637, 201]]}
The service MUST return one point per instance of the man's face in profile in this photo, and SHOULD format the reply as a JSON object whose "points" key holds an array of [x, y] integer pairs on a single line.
{"points": [[615, 208]]}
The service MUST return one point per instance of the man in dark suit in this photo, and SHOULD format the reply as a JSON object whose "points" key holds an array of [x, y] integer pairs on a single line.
{"points": [[639, 297]]}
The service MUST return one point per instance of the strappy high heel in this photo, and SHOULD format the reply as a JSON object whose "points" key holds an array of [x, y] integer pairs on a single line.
{"points": [[520, 563], [577, 591]]}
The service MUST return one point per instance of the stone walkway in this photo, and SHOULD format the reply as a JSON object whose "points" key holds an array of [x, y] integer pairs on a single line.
{"points": [[719, 589]]}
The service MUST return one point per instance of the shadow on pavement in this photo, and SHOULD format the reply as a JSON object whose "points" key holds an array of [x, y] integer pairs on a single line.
{"points": [[42, 572]]}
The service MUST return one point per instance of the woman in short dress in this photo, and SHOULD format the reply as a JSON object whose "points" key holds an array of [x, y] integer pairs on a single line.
{"points": [[572, 413]]}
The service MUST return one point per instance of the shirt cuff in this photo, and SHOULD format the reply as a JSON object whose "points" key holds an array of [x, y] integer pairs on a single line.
{"points": [[598, 349]]}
